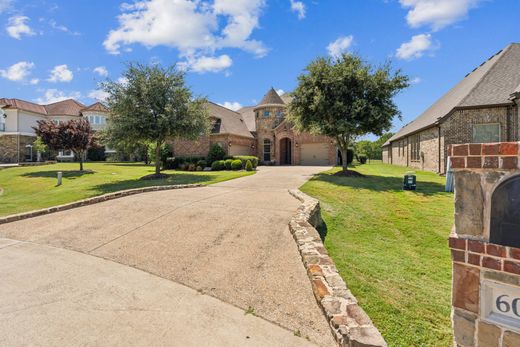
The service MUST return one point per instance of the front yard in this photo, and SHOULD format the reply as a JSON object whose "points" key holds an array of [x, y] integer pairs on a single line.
{"points": [[28, 188], [391, 248]]}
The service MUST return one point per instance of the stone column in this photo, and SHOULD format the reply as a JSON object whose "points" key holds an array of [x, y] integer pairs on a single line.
{"points": [[486, 276]]}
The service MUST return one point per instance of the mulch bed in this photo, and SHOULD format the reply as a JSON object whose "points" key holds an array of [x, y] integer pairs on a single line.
{"points": [[349, 173]]}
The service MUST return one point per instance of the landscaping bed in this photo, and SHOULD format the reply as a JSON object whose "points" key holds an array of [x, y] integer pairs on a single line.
{"points": [[390, 246], [32, 188]]}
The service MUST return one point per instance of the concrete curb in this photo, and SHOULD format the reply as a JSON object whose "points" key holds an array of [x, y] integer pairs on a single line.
{"points": [[91, 201], [349, 323]]}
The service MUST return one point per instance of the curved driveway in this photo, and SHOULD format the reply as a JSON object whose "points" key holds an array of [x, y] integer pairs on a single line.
{"points": [[229, 241]]}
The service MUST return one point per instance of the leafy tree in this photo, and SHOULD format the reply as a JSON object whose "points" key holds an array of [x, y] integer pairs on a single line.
{"points": [[74, 135], [345, 98], [153, 105], [40, 147]]}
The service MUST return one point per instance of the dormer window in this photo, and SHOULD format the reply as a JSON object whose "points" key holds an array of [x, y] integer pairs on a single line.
{"points": [[267, 113], [216, 126]]}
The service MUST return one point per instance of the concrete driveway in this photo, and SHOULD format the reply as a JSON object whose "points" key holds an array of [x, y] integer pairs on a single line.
{"points": [[229, 241]]}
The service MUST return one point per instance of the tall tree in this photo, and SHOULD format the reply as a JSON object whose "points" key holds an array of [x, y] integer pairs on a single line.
{"points": [[345, 98], [74, 135], [152, 105]]}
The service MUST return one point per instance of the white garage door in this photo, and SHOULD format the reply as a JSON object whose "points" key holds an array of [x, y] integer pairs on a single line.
{"points": [[315, 154], [239, 150]]}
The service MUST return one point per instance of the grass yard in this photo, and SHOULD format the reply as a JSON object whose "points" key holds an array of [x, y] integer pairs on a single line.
{"points": [[29, 188], [391, 248]]}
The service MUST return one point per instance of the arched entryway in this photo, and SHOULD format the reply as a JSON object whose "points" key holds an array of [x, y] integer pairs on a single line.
{"points": [[505, 213], [285, 151]]}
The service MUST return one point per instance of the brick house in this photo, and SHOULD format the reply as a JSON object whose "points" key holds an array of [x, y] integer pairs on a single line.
{"points": [[261, 131], [482, 108], [17, 117]]}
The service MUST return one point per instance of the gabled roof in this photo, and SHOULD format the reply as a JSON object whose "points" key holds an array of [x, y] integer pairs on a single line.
{"points": [[271, 98], [23, 105], [96, 107], [492, 83], [67, 107], [248, 115], [231, 121]]}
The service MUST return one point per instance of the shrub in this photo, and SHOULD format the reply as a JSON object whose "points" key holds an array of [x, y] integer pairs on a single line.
{"points": [[249, 166], [215, 166], [362, 158], [245, 158], [236, 164], [202, 163], [192, 167], [215, 153], [96, 153], [171, 163], [199, 168], [183, 166], [228, 164]]}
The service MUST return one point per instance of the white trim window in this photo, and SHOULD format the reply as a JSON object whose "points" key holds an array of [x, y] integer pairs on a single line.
{"points": [[97, 119], [2, 120], [267, 150], [485, 133], [65, 153]]}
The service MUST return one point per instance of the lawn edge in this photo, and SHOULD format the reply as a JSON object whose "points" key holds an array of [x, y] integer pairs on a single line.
{"points": [[349, 323], [92, 200]]}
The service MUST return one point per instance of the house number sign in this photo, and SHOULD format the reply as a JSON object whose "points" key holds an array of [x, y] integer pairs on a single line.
{"points": [[500, 304]]}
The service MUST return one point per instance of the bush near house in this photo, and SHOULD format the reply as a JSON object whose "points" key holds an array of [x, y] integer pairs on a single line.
{"points": [[245, 158], [249, 166], [236, 164], [228, 164], [215, 153]]}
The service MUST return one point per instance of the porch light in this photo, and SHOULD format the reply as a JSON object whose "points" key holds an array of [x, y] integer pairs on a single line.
{"points": [[296, 144], [229, 144]]}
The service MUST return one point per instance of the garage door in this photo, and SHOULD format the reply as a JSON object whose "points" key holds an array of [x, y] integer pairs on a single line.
{"points": [[239, 150], [315, 154]]}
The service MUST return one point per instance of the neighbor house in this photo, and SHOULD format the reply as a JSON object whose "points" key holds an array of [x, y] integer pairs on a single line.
{"points": [[18, 117], [261, 131], [483, 107]]}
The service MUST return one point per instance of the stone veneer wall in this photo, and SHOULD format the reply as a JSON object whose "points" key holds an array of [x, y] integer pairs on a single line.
{"points": [[479, 169], [11, 151]]}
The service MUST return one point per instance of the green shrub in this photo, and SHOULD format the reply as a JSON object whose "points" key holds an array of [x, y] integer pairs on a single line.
{"points": [[249, 166], [228, 164], [362, 158], [199, 168], [215, 153], [192, 167], [215, 166], [236, 164], [183, 166], [202, 163], [245, 158]]}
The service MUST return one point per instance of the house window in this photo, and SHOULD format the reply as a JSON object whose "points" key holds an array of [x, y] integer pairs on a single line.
{"points": [[96, 119], [415, 142], [267, 150], [266, 113], [65, 153], [2, 120], [216, 126], [483, 133], [279, 114]]}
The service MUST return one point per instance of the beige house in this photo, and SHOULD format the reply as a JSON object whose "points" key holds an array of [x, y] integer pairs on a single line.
{"points": [[18, 117], [483, 107], [261, 131]]}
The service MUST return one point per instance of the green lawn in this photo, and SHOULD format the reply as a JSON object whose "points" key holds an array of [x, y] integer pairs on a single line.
{"points": [[30, 188], [391, 248]]}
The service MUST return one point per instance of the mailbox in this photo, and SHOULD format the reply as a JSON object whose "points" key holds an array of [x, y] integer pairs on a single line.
{"points": [[410, 181]]}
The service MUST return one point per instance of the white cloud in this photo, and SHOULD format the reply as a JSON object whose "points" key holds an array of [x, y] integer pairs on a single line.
{"points": [[416, 47], [123, 81], [101, 71], [193, 27], [17, 26], [62, 27], [34, 81], [235, 106], [61, 73], [207, 64], [280, 92], [54, 95], [298, 7], [17, 72], [436, 13], [97, 94], [415, 80], [340, 46]]}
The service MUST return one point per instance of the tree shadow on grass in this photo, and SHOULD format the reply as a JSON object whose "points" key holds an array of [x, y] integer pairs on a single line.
{"points": [[71, 174], [381, 183], [172, 179], [322, 230]]}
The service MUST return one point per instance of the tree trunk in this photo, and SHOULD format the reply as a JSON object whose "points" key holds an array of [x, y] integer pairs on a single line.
{"points": [[81, 161], [158, 158]]}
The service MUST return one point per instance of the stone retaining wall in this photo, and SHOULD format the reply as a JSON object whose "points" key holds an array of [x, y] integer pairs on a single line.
{"points": [[350, 325], [91, 201]]}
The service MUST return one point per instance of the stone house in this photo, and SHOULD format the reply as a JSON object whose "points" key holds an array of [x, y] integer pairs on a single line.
{"points": [[17, 117], [261, 131], [482, 108]]}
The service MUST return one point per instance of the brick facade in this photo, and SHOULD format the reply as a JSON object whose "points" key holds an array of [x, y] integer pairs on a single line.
{"points": [[14, 148], [454, 129], [479, 170]]}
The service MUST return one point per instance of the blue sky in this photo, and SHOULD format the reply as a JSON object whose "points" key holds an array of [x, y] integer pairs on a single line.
{"points": [[234, 50]]}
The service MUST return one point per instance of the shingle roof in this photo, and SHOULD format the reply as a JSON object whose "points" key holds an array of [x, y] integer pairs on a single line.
{"points": [[67, 107], [271, 98], [248, 115], [23, 105], [96, 107], [491, 83], [231, 121]]}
